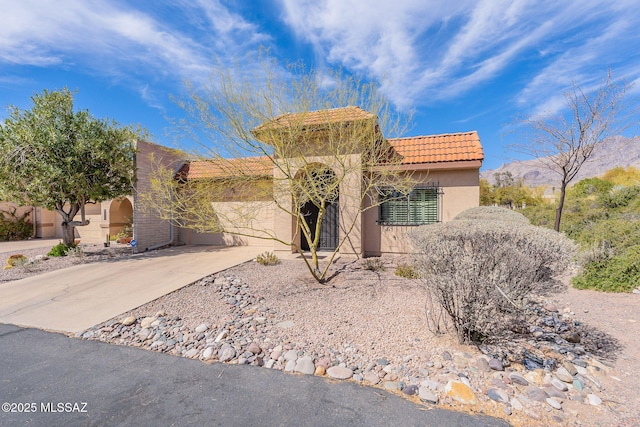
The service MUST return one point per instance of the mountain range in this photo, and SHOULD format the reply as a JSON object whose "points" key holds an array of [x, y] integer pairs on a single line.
{"points": [[614, 151]]}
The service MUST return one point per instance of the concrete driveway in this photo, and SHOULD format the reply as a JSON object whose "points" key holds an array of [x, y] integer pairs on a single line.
{"points": [[23, 245], [76, 298]]}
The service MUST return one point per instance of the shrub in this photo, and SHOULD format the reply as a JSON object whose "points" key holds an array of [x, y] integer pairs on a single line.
{"points": [[620, 273], [482, 272], [76, 252], [407, 271], [491, 213], [14, 227], [267, 258], [590, 186], [373, 264], [619, 197], [61, 249]]}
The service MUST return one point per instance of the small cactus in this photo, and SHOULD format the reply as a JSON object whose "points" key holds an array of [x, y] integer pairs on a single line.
{"points": [[267, 258]]}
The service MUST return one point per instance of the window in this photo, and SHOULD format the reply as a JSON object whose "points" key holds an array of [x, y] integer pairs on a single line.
{"points": [[419, 207]]}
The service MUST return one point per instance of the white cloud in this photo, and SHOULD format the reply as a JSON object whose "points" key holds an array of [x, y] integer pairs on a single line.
{"points": [[428, 52], [113, 39]]}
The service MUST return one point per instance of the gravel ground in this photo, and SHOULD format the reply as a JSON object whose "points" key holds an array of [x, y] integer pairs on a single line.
{"points": [[363, 316], [40, 263]]}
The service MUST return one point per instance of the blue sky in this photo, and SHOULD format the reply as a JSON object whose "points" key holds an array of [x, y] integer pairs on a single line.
{"points": [[461, 65]]}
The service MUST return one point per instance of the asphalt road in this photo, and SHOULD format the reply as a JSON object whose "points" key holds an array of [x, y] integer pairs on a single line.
{"points": [[70, 382]]}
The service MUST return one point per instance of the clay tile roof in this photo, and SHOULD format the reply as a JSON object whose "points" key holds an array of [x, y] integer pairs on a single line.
{"points": [[449, 147], [311, 118], [218, 168]]}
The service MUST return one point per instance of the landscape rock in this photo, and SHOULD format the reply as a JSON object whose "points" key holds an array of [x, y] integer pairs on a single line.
{"points": [[254, 348], [207, 353], [570, 367], [482, 364], [146, 322], [564, 375], [518, 379], [371, 377], [496, 364], [226, 353], [560, 385], [128, 321], [554, 403], [291, 355], [305, 365], [460, 392], [410, 390], [427, 395], [535, 393], [498, 395], [593, 400], [191, 353], [201, 328], [339, 372]]}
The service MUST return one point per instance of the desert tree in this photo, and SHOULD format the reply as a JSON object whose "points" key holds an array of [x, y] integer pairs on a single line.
{"points": [[565, 141], [60, 159], [288, 139]]}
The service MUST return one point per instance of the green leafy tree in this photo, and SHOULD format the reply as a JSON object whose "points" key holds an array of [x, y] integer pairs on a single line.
{"points": [[60, 159], [486, 193]]}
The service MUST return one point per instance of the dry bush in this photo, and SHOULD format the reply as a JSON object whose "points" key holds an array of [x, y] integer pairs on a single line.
{"points": [[373, 264], [407, 271], [491, 213], [482, 272]]}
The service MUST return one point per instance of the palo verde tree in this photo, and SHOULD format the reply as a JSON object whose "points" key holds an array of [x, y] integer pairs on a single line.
{"points": [[60, 159], [289, 142], [565, 141]]}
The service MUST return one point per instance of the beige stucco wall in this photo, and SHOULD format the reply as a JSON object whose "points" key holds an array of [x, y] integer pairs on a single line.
{"points": [[460, 191], [91, 233], [149, 230], [252, 221]]}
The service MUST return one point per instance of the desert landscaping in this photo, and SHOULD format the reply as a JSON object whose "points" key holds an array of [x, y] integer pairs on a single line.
{"points": [[372, 327]]}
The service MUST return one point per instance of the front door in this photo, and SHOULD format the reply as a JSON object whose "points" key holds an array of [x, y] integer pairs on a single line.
{"points": [[328, 229]]}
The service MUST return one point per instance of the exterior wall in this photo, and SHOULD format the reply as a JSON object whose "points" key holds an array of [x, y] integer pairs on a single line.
{"points": [[255, 219], [461, 191], [91, 233], [48, 224], [285, 225], [148, 230]]}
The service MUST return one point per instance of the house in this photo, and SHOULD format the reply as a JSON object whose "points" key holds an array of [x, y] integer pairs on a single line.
{"points": [[444, 170]]}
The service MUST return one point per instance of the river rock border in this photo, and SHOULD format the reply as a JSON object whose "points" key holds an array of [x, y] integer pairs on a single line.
{"points": [[547, 391]]}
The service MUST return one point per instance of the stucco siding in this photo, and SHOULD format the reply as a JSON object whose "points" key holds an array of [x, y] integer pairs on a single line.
{"points": [[249, 224], [459, 191]]}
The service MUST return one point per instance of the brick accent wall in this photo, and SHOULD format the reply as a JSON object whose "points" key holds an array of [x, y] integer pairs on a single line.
{"points": [[150, 231]]}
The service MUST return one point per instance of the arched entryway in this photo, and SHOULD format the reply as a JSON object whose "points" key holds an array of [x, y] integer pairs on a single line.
{"points": [[322, 191], [120, 215]]}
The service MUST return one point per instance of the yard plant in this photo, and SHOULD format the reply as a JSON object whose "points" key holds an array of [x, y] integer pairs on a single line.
{"points": [[481, 272], [61, 159], [603, 216]]}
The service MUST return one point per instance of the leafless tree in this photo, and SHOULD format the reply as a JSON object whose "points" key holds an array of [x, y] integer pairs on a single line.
{"points": [[565, 141], [288, 142]]}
